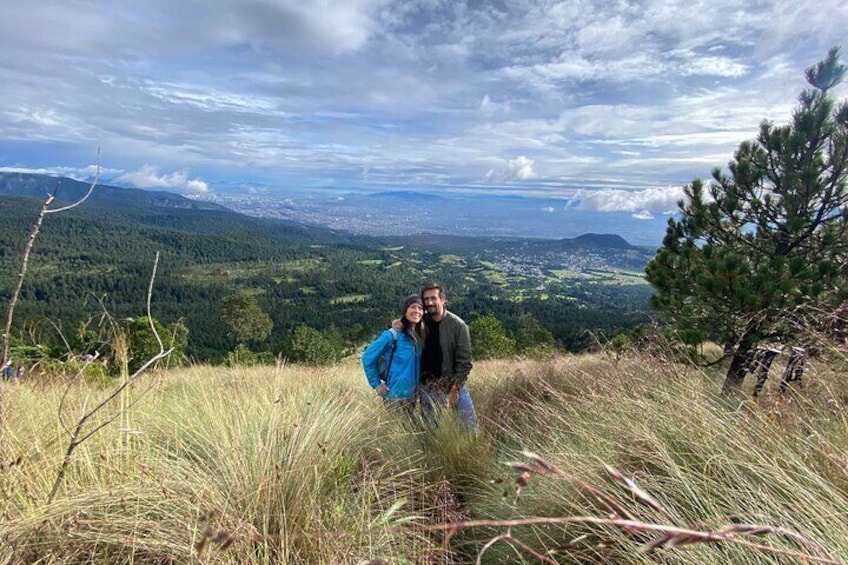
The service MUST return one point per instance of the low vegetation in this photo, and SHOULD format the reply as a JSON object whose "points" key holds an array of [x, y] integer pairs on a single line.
{"points": [[581, 459]]}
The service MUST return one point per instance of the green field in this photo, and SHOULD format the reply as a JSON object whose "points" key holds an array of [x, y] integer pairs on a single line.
{"points": [[350, 299], [373, 262]]}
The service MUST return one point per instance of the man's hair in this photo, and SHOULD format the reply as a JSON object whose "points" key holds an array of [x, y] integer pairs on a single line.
{"points": [[434, 285]]}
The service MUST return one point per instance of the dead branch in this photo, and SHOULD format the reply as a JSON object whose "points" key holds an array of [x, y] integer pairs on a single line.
{"points": [[81, 432], [45, 209], [672, 536], [666, 535]]}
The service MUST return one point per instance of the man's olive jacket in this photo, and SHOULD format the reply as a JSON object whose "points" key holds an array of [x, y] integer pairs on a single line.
{"points": [[455, 342]]}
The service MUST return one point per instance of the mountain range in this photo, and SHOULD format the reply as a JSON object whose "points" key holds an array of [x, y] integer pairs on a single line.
{"points": [[99, 255], [149, 207]]}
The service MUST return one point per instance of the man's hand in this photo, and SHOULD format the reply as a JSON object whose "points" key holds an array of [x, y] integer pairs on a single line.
{"points": [[453, 396], [381, 390]]}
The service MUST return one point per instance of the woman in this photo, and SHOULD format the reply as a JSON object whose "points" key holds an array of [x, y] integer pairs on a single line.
{"points": [[404, 363]]}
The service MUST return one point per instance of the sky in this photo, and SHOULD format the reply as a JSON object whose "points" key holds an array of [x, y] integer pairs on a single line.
{"points": [[613, 105]]}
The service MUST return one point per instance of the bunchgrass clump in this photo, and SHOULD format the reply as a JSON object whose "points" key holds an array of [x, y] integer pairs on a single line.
{"points": [[661, 426], [579, 459]]}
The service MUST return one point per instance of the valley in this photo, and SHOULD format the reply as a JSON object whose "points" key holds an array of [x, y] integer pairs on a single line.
{"points": [[99, 257]]}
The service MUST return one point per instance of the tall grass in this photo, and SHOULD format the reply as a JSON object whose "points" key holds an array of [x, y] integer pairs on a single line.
{"points": [[297, 465], [778, 462], [260, 466]]}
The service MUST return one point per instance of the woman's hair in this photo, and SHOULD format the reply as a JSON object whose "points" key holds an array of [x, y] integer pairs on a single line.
{"points": [[418, 332]]}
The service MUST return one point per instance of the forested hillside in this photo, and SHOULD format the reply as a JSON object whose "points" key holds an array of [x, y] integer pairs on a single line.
{"points": [[70, 190], [101, 254]]}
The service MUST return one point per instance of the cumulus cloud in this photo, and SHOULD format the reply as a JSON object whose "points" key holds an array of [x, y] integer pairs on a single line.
{"points": [[643, 215], [520, 168], [642, 202], [148, 177]]}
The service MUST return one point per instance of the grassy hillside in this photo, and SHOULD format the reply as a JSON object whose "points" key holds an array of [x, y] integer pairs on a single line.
{"points": [[298, 465]]}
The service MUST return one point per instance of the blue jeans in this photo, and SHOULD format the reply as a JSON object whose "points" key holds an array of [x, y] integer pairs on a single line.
{"points": [[433, 400]]}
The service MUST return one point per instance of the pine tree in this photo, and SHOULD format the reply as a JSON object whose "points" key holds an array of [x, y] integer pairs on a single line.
{"points": [[490, 339], [763, 244], [247, 321]]}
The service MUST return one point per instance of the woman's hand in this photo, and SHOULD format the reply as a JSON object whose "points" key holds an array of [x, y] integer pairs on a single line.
{"points": [[381, 390], [453, 396]]}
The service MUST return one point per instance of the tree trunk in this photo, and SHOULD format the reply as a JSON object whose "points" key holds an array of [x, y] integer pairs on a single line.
{"points": [[794, 368], [763, 366], [736, 372], [739, 363]]}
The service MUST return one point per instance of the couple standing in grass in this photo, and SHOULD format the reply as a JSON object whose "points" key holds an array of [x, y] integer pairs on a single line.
{"points": [[431, 358]]}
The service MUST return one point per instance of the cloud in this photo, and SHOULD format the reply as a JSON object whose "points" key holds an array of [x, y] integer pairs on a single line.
{"points": [[337, 26], [207, 100], [696, 64], [520, 168], [148, 177], [643, 215], [40, 117], [490, 108], [26, 170], [643, 202], [370, 94], [77, 173]]}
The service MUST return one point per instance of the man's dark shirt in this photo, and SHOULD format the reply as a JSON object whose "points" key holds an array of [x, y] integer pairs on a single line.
{"points": [[431, 360]]}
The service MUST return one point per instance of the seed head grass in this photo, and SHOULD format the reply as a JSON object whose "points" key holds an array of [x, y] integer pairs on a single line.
{"points": [[579, 459]]}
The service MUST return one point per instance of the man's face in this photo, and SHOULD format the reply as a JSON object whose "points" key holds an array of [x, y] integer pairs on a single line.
{"points": [[433, 303]]}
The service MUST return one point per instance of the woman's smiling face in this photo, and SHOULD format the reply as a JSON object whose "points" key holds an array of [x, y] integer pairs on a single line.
{"points": [[414, 313]]}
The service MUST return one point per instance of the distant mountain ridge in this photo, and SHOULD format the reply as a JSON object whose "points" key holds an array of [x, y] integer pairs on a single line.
{"points": [[69, 190], [137, 208], [304, 274], [158, 208], [407, 195]]}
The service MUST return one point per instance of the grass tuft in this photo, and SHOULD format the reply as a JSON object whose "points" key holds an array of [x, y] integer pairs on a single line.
{"points": [[579, 460]]}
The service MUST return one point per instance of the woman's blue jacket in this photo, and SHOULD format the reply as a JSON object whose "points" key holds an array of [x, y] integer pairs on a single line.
{"points": [[405, 370]]}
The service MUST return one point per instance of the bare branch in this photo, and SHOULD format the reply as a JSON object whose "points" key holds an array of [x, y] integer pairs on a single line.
{"points": [[45, 209], [666, 536], [79, 435], [672, 535], [149, 295], [87, 194], [10, 311]]}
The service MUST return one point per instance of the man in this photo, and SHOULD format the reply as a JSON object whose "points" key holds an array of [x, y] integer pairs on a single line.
{"points": [[446, 361]]}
